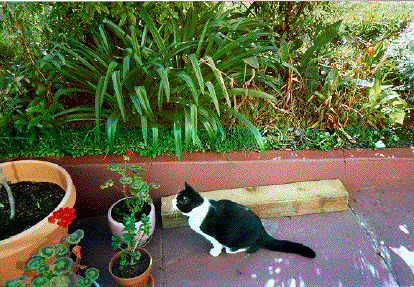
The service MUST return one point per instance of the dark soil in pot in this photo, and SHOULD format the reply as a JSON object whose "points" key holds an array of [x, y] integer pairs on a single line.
{"points": [[131, 271], [121, 209], [34, 201]]}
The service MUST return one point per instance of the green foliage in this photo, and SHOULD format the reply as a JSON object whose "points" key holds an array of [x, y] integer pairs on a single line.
{"points": [[194, 67], [129, 254], [60, 273], [309, 60], [153, 77], [75, 237], [134, 187], [291, 19], [18, 282]]}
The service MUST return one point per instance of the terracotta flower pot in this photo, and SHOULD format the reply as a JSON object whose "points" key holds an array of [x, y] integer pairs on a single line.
{"points": [[17, 249], [139, 281], [116, 227]]}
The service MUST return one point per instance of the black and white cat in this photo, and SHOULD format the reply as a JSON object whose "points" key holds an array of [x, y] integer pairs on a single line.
{"points": [[230, 225]]}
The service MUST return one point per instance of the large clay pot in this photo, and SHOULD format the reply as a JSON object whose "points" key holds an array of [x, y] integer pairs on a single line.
{"points": [[139, 281], [17, 249], [116, 227]]}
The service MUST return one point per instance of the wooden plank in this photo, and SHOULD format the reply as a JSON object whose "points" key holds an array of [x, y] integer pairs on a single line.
{"points": [[272, 201]]}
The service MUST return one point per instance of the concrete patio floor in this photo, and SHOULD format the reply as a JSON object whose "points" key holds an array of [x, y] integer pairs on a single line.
{"points": [[370, 244]]}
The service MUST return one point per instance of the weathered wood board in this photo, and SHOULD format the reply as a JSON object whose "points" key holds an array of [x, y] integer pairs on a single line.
{"points": [[272, 201]]}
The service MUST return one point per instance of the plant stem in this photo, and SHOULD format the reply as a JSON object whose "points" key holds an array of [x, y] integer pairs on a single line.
{"points": [[9, 193]]}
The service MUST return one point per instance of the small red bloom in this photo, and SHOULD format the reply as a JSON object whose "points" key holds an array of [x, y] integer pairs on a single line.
{"points": [[63, 216], [130, 153], [77, 251]]}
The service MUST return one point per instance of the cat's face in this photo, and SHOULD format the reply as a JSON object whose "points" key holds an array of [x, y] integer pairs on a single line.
{"points": [[187, 199]]}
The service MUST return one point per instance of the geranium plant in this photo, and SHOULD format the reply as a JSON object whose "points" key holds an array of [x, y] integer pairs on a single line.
{"points": [[132, 237], [134, 188], [54, 264]]}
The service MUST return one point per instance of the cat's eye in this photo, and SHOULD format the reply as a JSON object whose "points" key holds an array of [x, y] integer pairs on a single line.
{"points": [[183, 199]]}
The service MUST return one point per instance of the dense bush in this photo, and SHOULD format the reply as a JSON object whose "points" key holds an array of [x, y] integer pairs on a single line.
{"points": [[402, 51], [191, 75]]}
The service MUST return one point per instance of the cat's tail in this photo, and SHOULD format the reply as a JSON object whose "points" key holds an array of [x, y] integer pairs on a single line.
{"points": [[287, 246]]}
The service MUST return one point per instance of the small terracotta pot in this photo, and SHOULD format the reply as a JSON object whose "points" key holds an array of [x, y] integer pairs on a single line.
{"points": [[18, 248], [140, 280], [116, 227]]}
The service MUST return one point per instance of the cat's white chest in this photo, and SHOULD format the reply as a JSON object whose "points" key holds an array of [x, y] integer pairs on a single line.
{"points": [[197, 215]]}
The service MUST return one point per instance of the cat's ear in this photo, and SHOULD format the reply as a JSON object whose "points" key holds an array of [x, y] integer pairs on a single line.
{"points": [[188, 187]]}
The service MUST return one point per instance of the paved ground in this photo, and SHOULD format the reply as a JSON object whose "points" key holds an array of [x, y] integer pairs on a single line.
{"points": [[370, 244]]}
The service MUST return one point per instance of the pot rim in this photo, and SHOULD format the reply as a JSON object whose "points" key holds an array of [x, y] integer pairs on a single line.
{"points": [[113, 204], [68, 192], [118, 254]]}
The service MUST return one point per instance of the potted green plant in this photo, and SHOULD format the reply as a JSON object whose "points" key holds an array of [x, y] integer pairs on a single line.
{"points": [[58, 265], [132, 265], [17, 248], [136, 197]]}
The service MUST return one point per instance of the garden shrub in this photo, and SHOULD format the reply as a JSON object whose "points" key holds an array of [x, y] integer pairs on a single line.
{"points": [[402, 51]]}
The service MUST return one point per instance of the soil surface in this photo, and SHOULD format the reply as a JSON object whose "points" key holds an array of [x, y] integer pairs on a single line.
{"points": [[34, 201], [131, 271], [121, 209]]}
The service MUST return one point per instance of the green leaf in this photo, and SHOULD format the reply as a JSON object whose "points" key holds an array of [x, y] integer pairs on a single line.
{"points": [[125, 65], [47, 252], [330, 84], [125, 180], [164, 84], [397, 116], [143, 99], [113, 167], [61, 250], [92, 273], [201, 41], [118, 31], [101, 91], [252, 61], [116, 80], [219, 78], [249, 125], [213, 96], [190, 84], [104, 39], [111, 125], [322, 37], [75, 237], [40, 282], [144, 128], [33, 262], [252, 93], [61, 265], [197, 71], [189, 25], [151, 26], [42, 269], [177, 139], [375, 91]]}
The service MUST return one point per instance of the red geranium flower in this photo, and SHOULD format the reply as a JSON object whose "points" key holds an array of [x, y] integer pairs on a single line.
{"points": [[63, 216], [130, 153]]}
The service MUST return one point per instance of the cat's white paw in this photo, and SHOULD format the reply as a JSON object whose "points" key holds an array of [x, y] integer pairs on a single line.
{"points": [[228, 250], [215, 252]]}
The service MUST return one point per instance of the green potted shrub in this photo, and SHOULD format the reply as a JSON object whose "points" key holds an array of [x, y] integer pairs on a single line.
{"points": [[132, 265], [58, 265], [136, 198]]}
